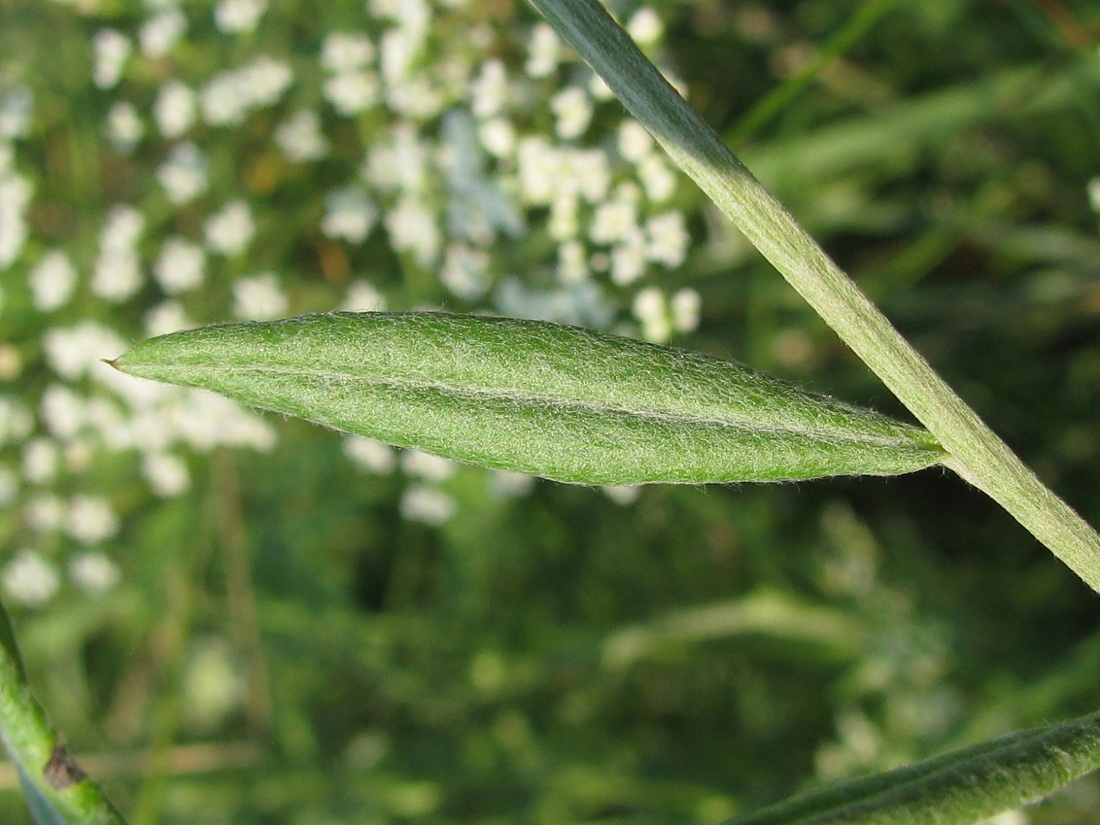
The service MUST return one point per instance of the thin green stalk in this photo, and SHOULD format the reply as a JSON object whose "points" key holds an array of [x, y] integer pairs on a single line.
{"points": [[775, 101], [978, 455]]}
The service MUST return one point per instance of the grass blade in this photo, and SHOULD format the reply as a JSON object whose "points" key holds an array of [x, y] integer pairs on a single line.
{"points": [[959, 788], [551, 400]]}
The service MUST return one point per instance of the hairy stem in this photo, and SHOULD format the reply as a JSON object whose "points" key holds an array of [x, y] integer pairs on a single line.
{"points": [[979, 455]]}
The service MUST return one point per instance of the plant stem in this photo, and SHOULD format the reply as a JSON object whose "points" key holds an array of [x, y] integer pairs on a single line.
{"points": [[979, 456], [55, 787]]}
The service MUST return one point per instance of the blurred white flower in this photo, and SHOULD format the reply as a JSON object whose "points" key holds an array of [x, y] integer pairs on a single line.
{"points": [[124, 127], [635, 143], [230, 231], [413, 227], [228, 95], [62, 411], [598, 89], [370, 455], [352, 92], [300, 137], [52, 281], [212, 685], [174, 109], [15, 194], [362, 297], [426, 466], [427, 505], [184, 174], [224, 100], [622, 496], [93, 572], [616, 219], [116, 276], [16, 110], [645, 27], [651, 308], [167, 474], [165, 318], [509, 484], [160, 32], [491, 91], [1093, 190], [398, 50], [234, 16], [589, 172], [418, 98], [572, 112], [349, 214], [40, 460], [16, 421], [543, 50], [685, 306], [265, 80], [581, 304], [29, 579], [628, 259], [346, 52], [44, 512], [259, 298], [111, 50], [572, 262], [538, 164], [564, 223], [465, 271], [72, 351], [667, 238], [179, 266], [498, 136], [117, 272], [90, 519], [657, 177], [412, 15], [121, 229], [399, 163]]}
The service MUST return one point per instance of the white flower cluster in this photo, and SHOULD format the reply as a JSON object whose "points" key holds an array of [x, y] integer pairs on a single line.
{"points": [[229, 96], [398, 131]]}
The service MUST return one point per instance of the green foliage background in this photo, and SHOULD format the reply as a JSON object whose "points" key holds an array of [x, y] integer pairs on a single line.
{"points": [[560, 656]]}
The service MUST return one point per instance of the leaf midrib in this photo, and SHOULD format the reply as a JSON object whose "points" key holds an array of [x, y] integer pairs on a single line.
{"points": [[746, 425]]}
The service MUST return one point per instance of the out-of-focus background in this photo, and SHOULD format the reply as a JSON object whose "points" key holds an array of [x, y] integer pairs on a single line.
{"points": [[236, 618]]}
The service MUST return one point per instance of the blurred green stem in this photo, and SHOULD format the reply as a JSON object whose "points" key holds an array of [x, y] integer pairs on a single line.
{"points": [[773, 103], [979, 455]]}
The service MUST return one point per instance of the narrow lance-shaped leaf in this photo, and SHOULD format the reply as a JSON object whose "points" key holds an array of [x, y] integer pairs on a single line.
{"points": [[959, 788], [551, 400]]}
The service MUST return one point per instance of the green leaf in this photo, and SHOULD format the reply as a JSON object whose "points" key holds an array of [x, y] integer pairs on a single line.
{"points": [[959, 788], [554, 401], [56, 789]]}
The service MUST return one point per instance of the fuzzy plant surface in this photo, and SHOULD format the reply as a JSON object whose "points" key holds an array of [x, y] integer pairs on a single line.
{"points": [[551, 400]]}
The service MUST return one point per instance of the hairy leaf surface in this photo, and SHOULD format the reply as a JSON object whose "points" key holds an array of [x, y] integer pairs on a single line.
{"points": [[555, 401], [958, 788]]}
